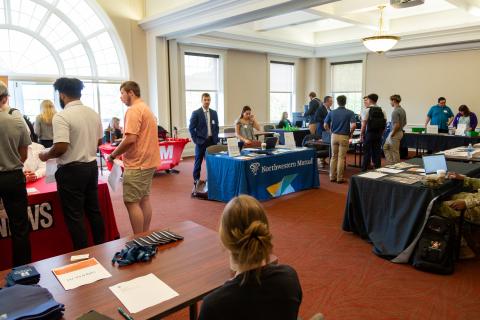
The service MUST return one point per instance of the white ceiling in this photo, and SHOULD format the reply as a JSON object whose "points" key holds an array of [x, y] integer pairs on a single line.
{"points": [[311, 27]]}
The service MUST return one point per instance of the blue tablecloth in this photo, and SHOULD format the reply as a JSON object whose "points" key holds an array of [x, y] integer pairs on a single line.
{"points": [[264, 177]]}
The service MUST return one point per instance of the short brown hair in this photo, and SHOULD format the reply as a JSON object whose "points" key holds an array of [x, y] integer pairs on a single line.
{"points": [[206, 94], [245, 232], [312, 94], [463, 108], [131, 86], [396, 98]]}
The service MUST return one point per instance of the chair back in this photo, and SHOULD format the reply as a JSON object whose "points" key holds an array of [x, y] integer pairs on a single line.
{"points": [[268, 127], [229, 130]]}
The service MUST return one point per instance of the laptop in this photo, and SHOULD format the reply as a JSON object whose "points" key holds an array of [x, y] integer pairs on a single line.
{"points": [[433, 163], [270, 145]]}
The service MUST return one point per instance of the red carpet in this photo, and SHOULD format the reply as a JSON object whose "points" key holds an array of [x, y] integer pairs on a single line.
{"points": [[340, 276]]}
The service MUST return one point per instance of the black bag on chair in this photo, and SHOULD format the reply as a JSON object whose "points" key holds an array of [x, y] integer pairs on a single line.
{"points": [[435, 250]]}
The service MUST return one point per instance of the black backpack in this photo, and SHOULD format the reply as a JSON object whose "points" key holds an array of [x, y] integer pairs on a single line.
{"points": [[435, 251], [33, 136], [376, 119]]}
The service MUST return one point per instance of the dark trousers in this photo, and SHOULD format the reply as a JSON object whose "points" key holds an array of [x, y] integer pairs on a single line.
{"points": [[46, 143], [14, 196], [77, 185], [200, 150], [372, 151]]}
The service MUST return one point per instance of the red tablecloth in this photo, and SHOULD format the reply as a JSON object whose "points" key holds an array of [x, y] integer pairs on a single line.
{"points": [[49, 236], [170, 152]]}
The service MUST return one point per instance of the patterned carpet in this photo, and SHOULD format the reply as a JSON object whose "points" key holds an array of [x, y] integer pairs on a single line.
{"points": [[340, 276]]}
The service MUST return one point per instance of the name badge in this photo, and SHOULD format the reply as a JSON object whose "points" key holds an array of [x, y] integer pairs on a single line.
{"points": [[213, 121], [445, 111], [245, 126]]}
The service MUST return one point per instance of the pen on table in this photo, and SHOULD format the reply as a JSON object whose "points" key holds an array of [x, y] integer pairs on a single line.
{"points": [[124, 314]]}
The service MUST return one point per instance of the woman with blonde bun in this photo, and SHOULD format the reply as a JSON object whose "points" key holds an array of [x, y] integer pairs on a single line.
{"points": [[259, 290]]}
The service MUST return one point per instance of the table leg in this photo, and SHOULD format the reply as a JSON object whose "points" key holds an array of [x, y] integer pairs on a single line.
{"points": [[101, 161], [193, 311]]}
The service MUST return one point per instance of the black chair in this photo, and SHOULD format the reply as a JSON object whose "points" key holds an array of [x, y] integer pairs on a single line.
{"points": [[322, 149], [229, 130], [268, 127]]}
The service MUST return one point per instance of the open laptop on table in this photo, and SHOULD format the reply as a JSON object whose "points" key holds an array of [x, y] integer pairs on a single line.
{"points": [[270, 142], [433, 163]]}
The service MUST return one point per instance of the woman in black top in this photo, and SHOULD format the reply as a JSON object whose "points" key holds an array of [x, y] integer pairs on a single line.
{"points": [[259, 290]]}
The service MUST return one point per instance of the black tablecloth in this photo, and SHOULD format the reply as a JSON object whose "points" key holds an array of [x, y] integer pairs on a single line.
{"points": [[390, 214], [437, 142]]}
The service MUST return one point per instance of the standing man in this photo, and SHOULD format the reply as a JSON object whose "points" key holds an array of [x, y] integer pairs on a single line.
{"points": [[391, 148], [141, 158], [204, 132], [374, 122], [440, 115], [341, 122], [313, 105], [321, 113], [14, 142], [77, 132]]}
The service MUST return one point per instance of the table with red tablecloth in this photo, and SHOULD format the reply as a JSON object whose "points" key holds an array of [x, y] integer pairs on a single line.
{"points": [[49, 236], [170, 152]]}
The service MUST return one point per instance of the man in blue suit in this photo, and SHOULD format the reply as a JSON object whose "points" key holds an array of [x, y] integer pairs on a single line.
{"points": [[204, 132]]}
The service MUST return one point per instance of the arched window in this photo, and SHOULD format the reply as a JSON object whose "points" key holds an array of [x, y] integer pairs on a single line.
{"points": [[46, 39]]}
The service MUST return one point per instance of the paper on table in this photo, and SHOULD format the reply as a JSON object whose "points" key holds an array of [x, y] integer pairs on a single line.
{"points": [[51, 168], [115, 175], [232, 145], [388, 170], [461, 128], [81, 273], [372, 175], [289, 140], [143, 292], [432, 129], [32, 190], [416, 170]]}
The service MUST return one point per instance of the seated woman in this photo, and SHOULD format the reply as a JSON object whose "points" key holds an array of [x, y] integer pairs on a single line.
{"points": [[259, 290], [244, 128], [470, 202], [284, 122], [465, 116], [114, 129], [33, 167]]}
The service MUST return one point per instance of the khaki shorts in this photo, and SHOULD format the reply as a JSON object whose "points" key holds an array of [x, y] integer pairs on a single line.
{"points": [[136, 184]]}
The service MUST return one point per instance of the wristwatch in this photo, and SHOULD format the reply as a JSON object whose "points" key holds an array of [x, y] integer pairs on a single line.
{"points": [[111, 157]]}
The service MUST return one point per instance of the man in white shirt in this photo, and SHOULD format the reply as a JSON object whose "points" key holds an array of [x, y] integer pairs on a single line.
{"points": [[77, 132]]}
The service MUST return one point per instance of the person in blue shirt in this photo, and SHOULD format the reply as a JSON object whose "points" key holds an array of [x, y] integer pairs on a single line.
{"points": [[341, 122], [440, 115]]}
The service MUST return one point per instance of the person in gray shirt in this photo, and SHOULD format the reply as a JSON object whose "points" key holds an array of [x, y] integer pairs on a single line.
{"points": [[14, 142], [391, 148]]}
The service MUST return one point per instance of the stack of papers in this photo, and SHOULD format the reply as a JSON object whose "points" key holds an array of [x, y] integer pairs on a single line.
{"points": [[81, 273], [372, 175], [389, 170], [402, 165]]}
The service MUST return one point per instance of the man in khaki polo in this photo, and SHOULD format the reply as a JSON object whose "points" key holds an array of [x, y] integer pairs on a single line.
{"points": [[141, 156]]}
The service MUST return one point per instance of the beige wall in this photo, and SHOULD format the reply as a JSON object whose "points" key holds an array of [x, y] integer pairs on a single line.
{"points": [[246, 83], [125, 15], [314, 77], [421, 79]]}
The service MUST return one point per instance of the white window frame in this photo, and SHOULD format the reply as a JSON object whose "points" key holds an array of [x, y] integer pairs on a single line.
{"points": [[184, 118], [293, 93]]}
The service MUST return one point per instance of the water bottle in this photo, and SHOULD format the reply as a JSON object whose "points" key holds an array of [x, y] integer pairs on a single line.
{"points": [[469, 151], [175, 131]]}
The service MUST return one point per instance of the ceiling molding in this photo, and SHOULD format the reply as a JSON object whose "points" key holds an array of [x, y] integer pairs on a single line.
{"points": [[452, 47], [215, 14], [230, 41]]}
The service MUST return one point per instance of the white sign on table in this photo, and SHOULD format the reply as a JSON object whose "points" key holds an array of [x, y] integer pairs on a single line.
{"points": [[461, 128], [80, 273], [432, 129], [289, 140], [232, 145]]}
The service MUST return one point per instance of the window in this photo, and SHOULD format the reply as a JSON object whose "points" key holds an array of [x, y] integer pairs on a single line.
{"points": [[47, 39], [282, 89], [202, 74], [347, 80]]}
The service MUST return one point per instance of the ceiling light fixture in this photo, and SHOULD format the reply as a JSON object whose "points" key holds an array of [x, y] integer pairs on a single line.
{"points": [[380, 43]]}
